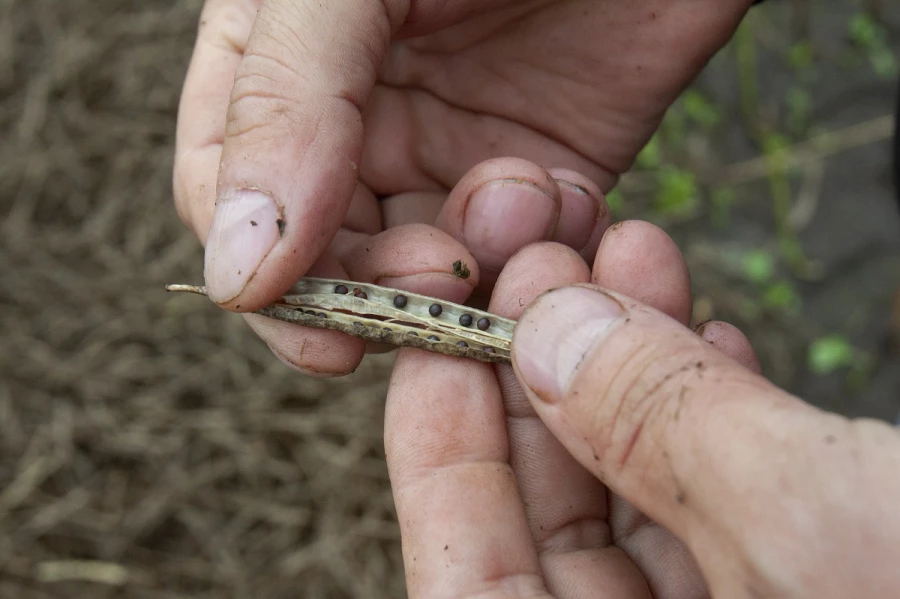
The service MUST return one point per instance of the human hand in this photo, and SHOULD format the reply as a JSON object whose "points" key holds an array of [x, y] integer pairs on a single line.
{"points": [[426, 259], [643, 459], [330, 104]]}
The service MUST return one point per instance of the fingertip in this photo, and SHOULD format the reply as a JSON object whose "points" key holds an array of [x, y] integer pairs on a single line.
{"points": [[500, 206], [314, 352], [584, 214], [246, 225], [731, 341], [533, 270], [417, 258], [640, 260]]}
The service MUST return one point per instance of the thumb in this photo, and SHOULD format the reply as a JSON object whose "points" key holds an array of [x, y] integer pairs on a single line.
{"points": [[294, 135], [703, 446], [292, 143]]}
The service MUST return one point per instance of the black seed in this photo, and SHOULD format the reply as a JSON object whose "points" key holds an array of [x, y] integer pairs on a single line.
{"points": [[342, 289], [360, 294], [433, 338], [413, 333], [489, 350], [400, 301], [462, 344], [465, 320], [358, 324], [483, 324], [321, 315], [435, 309]]}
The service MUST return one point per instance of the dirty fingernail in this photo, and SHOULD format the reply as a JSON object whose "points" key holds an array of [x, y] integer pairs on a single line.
{"points": [[504, 216], [246, 225], [557, 332], [578, 215]]}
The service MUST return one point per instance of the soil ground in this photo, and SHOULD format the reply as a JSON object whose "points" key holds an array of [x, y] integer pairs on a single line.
{"points": [[151, 446]]}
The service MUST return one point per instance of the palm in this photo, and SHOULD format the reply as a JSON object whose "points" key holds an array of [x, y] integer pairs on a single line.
{"points": [[574, 83]]}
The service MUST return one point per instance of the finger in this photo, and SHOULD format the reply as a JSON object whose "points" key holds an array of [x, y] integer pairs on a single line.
{"points": [[292, 142], [461, 518], [584, 215], [224, 28], [294, 136], [565, 504], [317, 352], [670, 569], [688, 436], [416, 258], [640, 260], [314, 352], [412, 208], [731, 341], [363, 219], [364, 213], [500, 206]]}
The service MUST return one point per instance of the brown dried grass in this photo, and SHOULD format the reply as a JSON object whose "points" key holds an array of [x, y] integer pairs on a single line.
{"points": [[150, 445]]}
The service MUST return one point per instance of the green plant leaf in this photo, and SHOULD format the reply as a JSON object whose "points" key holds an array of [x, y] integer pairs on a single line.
{"points": [[799, 108], [650, 156], [828, 354], [758, 266], [883, 63], [781, 295], [616, 202], [864, 31], [700, 110], [801, 55], [720, 206], [677, 194]]}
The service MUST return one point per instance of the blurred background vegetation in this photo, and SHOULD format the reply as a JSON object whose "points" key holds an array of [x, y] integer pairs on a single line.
{"points": [[152, 447]]}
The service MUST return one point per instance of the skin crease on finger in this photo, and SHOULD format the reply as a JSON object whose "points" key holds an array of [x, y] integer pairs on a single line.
{"points": [[583, 215], [299, 138], [427, 267], [417, 258], [446, 446], [564, 518], [745, 463], [560, 494], [313, 352], [565, 505], [640, 260]]}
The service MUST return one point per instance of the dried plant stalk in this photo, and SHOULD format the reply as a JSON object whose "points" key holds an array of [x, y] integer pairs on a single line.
{"points": [[386, 315]]}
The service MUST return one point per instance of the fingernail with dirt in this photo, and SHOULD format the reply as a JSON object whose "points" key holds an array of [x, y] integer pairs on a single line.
{"points": [[557, 332], [246, 225], [504, 216], [578, 217]]}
